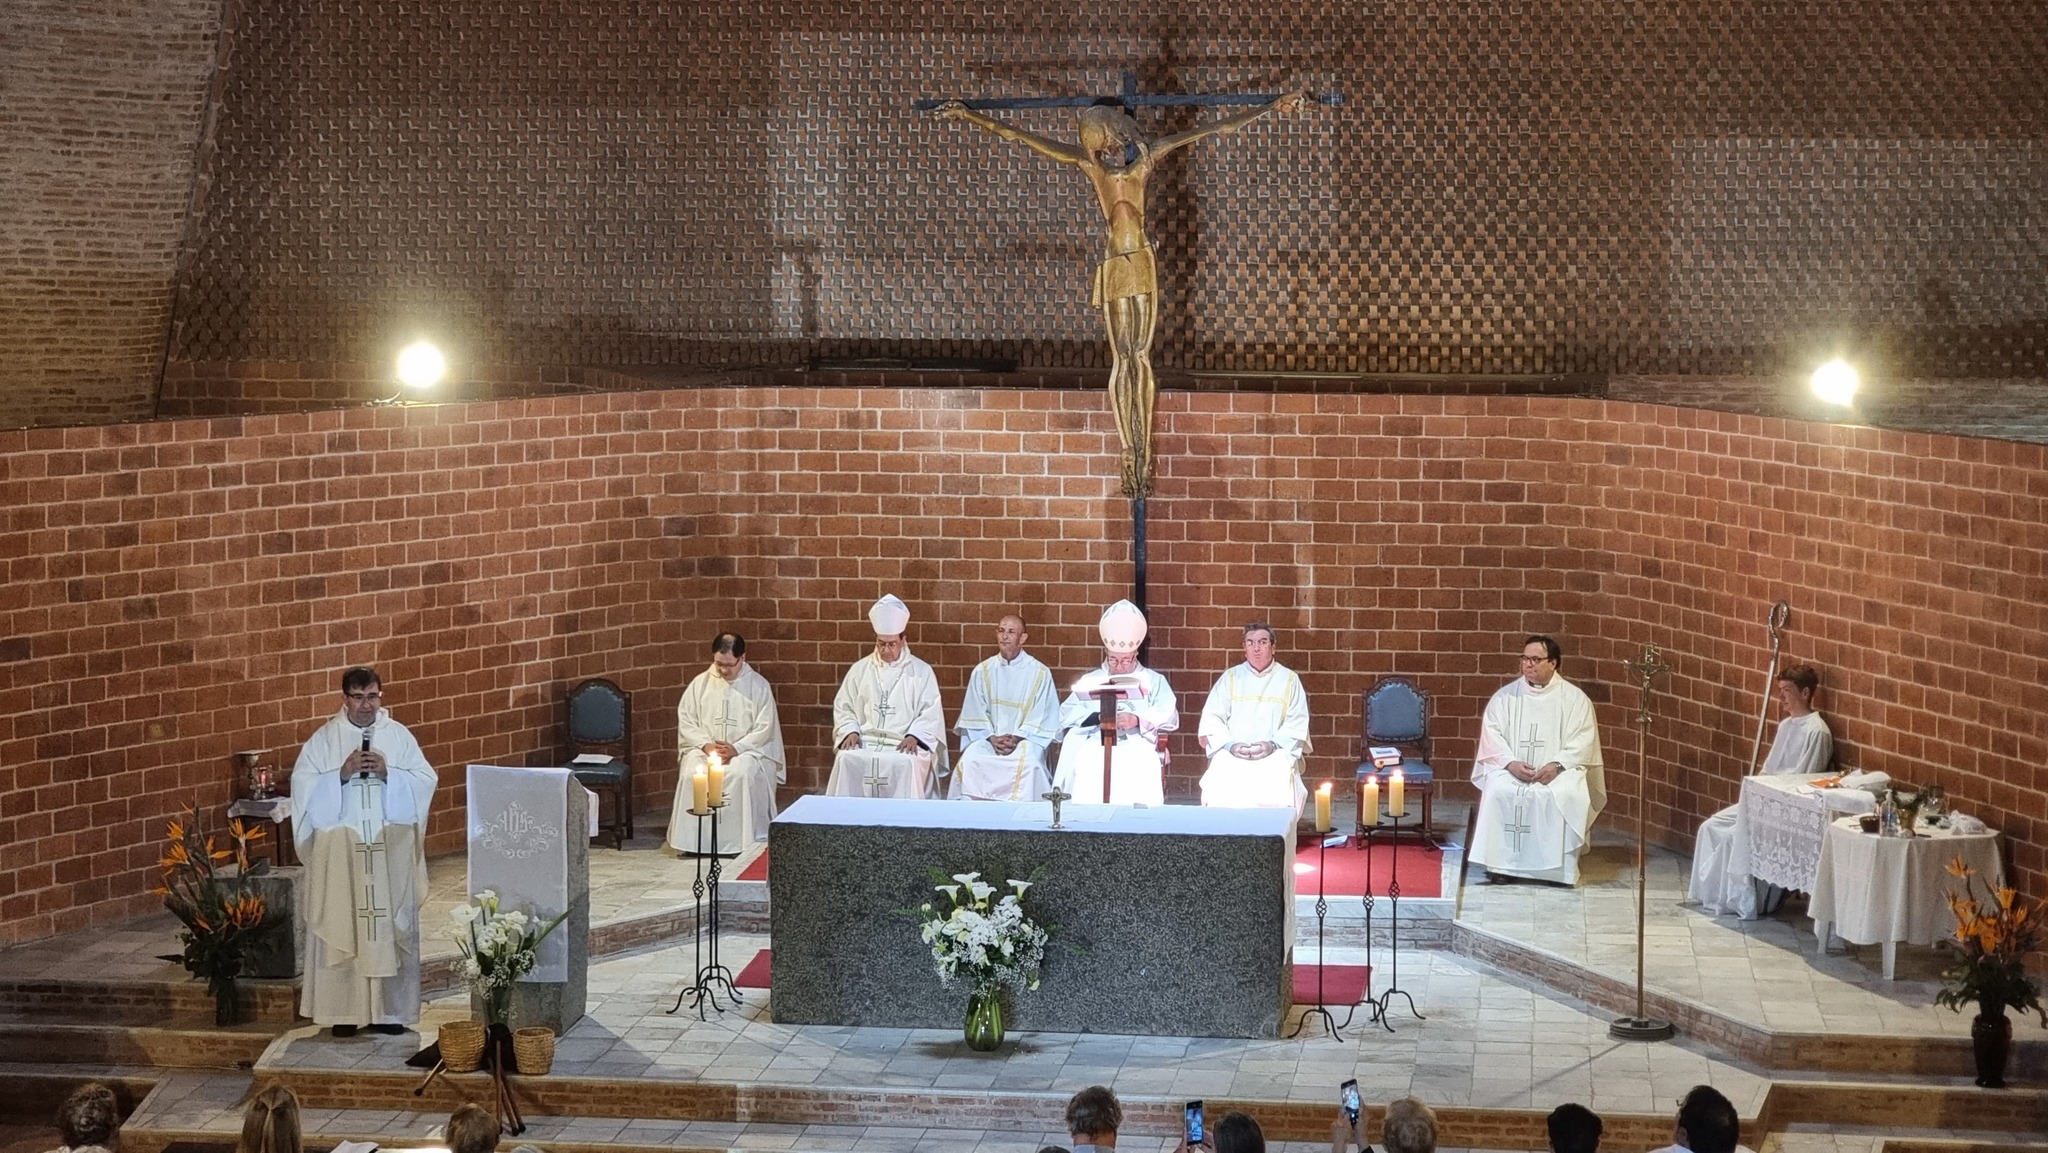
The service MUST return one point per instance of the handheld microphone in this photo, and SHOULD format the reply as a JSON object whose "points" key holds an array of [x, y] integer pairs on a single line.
{"points": [[361, 773]]}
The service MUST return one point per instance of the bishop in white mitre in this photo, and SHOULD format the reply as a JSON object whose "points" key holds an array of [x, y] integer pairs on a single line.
{"points": [[1255, 730], [1720, 857], [1145, 709], [1539, 773], [1008, 719], [887, 719], [728, 712], [360, 792]]}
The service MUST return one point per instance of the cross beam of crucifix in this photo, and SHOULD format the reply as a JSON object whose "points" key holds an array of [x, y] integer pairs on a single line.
{"points": [[1131, 98]]}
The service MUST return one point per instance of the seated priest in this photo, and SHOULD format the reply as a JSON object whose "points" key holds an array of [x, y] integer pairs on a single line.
{"points": [[1720, 857], [728, 712], [887, 718], [1255, 730], [1007, 720], [1145, 708], [360, 792], [1538, 771]]}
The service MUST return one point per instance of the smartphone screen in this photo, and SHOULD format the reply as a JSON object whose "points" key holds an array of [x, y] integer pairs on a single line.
{"points": [[1348, 1094], [1194, 1123]]}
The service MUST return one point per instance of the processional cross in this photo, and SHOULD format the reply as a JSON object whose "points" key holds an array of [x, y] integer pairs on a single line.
{"points": [[1118, 159]]}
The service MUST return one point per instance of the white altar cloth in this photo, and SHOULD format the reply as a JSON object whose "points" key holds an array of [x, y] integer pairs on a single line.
{"points": [[1785, 819], [1874, 890]]}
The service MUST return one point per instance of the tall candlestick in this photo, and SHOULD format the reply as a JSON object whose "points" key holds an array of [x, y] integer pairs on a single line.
{"points": [[1397, 794], [700, 789], [1372, 800], [1323, 807], [716, 773]]}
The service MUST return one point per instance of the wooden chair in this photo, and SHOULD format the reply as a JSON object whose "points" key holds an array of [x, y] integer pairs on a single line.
{"points": [[600, 723], [1396, 713]]}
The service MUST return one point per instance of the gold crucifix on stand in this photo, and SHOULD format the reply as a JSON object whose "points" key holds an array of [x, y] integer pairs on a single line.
{"points": [[1642, 1026]]}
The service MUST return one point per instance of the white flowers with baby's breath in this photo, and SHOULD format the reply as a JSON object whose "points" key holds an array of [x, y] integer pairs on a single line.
{"points": [[990, 941], [499, 946]]}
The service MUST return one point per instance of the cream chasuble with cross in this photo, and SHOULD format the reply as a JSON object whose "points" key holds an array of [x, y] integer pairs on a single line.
{"points": [[1526, 829], [366, 874], [885, 703]]}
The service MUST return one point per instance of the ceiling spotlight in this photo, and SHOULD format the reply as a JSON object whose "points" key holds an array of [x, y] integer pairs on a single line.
{"points": [[1836, 382], [421, 365]]}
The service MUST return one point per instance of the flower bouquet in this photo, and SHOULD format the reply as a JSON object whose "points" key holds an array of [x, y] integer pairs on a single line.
{"points": [[988, 941], [224, 915], [499, 946], [1994, 936]]}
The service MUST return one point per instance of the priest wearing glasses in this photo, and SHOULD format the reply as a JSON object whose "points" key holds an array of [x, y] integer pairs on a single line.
{"points": [[887, 718], [1539, 773]]}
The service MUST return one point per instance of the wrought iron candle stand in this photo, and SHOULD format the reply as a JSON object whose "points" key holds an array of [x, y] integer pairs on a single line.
{"points": [[710, 975], [1322, 912], [1383, 1005]]}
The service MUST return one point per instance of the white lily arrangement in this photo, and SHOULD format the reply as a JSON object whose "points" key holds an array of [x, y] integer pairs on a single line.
{"points": [[499, 946], [986, 939]]}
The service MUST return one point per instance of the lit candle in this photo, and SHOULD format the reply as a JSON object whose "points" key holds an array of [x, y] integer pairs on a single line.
{"points": [[699, 790], [716, 773], [1323, 807], [1372, 800], [1397, 794]]}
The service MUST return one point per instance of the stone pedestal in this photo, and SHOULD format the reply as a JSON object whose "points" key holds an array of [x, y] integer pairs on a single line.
{"points": [[502, 840], [280, 953]]}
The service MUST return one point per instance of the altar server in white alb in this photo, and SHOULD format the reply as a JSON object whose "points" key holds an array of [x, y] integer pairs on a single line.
{"points": [[1008, 718], [887, 719], [1538, 771], [728, 712], [1255, 730], [1138, 769], [1720, 858], [360, 792]]}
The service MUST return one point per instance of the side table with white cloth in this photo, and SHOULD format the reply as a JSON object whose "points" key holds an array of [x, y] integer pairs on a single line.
{"points": [[276, 810], [1875, 890], [1784, 819]]}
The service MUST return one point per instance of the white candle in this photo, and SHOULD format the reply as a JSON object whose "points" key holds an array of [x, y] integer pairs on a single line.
{"points": [[1397, 794], [1372, 800], [715, 795], [1323, 807], [700, 788]]}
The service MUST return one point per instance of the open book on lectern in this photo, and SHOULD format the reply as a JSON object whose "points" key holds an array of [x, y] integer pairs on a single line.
{"points": [[1127, 686]]}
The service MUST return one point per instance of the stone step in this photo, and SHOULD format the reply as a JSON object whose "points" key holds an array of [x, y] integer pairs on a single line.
{"points": [[169, 1043], [86, 999], [31, 1093]]}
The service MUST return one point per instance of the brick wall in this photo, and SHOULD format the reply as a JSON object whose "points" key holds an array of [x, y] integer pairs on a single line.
{"points": [[180, 590], [104, 102]]}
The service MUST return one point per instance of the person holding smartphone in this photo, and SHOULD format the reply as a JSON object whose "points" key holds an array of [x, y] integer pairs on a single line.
{"points": [[1235, 1133]]}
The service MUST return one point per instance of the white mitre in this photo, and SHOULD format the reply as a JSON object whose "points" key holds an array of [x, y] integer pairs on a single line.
{"points": [[1122, 627], [889, 615]]}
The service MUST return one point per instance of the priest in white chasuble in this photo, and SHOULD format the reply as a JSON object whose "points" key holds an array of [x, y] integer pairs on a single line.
{"points": [[1255, 730], [887, 719], [1008, 719], [1146, 708], [360, 792], [728, 712], [1539, 773]]}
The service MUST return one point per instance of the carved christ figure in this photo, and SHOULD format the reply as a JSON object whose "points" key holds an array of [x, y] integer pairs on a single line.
{"points": [[1116, 156]]}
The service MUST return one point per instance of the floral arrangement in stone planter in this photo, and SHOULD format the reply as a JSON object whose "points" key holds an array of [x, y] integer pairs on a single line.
{"points": [[1995, 934], [213, 893], [498, 946], [986, 940]]}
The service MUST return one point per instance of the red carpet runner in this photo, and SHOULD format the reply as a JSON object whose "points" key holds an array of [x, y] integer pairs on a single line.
{"points": [[1421, 870]]}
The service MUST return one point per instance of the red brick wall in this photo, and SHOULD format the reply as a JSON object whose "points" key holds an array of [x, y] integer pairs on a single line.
{"points": [[97, 149], [177, 591]]}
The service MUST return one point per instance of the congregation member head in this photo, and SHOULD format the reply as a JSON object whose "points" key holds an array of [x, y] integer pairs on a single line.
{"points": [[1410, 1127], [89, 1119], [1574, 1129], [728, 656], [889, 617], [1239, 1133], [1706, 1123], [472, 1129], [271, 1123], [1093, 1117]]}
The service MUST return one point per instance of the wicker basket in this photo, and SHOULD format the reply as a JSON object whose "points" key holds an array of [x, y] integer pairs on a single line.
{"points": [[462, 1045], [534, 1050]]}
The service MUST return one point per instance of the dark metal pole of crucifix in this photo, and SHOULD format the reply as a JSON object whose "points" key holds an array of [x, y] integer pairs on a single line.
{"points": [[1642, 1026], [1118, 159]]}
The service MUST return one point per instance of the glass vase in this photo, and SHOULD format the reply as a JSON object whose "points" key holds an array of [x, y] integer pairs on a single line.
{"points": [[985, 1021], [1991, 1045], [226, 1005], [497, 1001]]}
